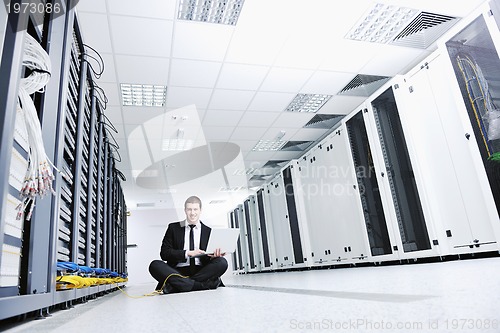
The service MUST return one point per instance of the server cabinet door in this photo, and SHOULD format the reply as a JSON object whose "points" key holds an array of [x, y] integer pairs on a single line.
{"points": [[316, 208], [280, 224], [461, 208], [349, 233], [263, 237], [377, 231], [398, 176]]}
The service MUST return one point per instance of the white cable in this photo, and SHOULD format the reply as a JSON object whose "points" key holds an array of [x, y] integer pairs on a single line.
{"points": [[39, 176]]}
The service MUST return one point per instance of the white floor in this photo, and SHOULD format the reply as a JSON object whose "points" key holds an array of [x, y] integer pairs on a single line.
{"points": [[455, 296]]}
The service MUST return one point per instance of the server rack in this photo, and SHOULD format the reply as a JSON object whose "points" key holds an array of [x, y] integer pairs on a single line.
{"points": [[331, 202], [236, 256], [62, 224], [458, 184], [243, 255], [263, 238], [379, 236], [252, 233]]}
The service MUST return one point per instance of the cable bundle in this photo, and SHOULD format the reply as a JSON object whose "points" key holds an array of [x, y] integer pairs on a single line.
{"points": [[39, 176], [70, 275]]}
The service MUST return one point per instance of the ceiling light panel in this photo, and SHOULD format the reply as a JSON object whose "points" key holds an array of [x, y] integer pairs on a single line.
{"points": [[381, 23], [307, 103], [211, 11], [176, 144], [269, 145], [143, 95]]}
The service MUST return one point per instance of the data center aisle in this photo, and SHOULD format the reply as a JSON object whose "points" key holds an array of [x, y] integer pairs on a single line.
{"points": [[455, 296]]}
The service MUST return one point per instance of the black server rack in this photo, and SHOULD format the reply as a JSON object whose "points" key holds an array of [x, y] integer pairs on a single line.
{"points": [[84, 222], [263, 228], [292, 216], [248, 234], [371, 201], [410, 217]]}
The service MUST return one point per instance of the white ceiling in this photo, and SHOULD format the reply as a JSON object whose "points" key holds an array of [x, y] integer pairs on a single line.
{"points": [[231, 84]]}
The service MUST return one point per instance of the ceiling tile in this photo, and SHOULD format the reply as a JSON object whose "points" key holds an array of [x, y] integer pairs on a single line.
{"points": [[141, 36], [152, 70], [258, 118], [392, 60], [293, 119], [191, 73], [285, 80], [259, 155], [231, 99], [222, 118], [217, 133], [268, 101], [349, 56], [112, 93], [95, 31], [183, 96], [328, 83], [246, 77], [202, 41], [154, 9], [139, 115], [248, 133], [245, 145], [273, 132], [114, 114]]}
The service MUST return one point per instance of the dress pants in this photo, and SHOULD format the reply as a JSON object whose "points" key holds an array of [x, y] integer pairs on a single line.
{"points": [[160, 270]]}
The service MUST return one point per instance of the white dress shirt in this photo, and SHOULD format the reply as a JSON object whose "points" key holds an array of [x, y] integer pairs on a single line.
{"points": [[197, 235]]}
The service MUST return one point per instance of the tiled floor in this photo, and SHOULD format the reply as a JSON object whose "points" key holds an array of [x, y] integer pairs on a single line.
{"points": [[455, 296]]}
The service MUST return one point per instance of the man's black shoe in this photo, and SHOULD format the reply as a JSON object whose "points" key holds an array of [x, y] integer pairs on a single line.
{"points": [[213, 283], [168, 289]]}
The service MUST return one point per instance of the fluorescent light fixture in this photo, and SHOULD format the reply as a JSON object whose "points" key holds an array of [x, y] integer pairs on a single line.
{"points": [[143, 95], [269, 145], [307, 103], [216, 202], [176, 144], [381, 23], [211, 11], [232, 189]]}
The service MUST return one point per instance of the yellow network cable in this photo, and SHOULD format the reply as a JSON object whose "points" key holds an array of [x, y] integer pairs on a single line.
{"points": [[154, 293], [466, 59]]}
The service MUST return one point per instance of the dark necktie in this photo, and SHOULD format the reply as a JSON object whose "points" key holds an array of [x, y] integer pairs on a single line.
{"points": [[192, 265]]}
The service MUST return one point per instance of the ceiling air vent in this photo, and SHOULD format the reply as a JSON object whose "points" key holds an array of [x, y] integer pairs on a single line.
{"points": [[275, 164], [323, 121], [401, 26], [424, 30], [260, 178], [364, 85], [145, 204], [296, 145]]}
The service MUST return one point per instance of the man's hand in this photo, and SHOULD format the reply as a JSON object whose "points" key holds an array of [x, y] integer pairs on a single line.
{"points": [[217, 253], [196, 252]]}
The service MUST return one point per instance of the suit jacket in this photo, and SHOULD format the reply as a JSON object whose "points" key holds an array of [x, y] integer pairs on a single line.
{"points": [[172, 248]]}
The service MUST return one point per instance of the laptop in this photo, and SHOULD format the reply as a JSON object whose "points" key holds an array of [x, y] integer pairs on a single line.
{"points": [[225, 239]]}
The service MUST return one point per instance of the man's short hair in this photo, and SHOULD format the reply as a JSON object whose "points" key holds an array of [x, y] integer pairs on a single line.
{"points": [[192, 199]]}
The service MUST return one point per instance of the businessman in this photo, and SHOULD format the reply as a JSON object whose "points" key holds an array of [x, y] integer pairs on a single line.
{"points": [[184, 265]]}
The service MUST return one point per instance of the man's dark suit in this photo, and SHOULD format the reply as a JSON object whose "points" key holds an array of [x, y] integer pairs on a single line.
{"points": [[172, 252]]}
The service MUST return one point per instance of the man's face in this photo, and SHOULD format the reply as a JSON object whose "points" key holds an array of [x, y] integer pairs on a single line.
{"points": [[192, 211]]}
